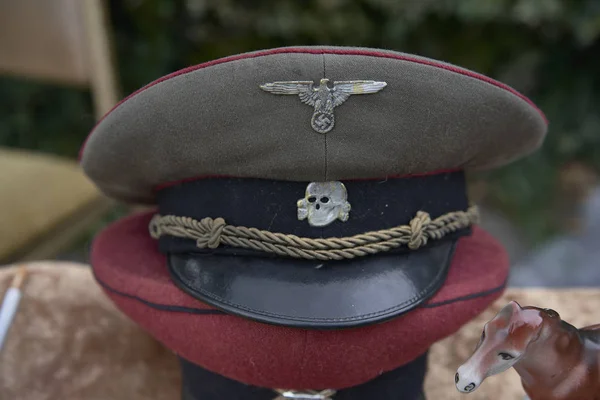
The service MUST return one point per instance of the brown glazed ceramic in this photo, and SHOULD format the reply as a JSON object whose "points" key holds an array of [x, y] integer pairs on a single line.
{"points": [[555, 360]]}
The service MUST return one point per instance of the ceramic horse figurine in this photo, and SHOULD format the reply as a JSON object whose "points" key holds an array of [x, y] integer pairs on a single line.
{"points": [[555, 360]]}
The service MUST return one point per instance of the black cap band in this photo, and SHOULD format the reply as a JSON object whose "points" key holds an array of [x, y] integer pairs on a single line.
{"points": [[272, 206]]}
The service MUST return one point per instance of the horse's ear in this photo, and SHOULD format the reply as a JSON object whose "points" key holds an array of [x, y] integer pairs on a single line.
{"points": [[512, 308]]}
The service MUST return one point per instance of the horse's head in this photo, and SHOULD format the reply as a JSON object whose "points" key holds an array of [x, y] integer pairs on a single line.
{"points": [[503, 343]]}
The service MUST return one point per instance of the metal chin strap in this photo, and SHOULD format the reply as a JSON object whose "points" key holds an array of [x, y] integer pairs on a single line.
{"points": [[305, 395]]}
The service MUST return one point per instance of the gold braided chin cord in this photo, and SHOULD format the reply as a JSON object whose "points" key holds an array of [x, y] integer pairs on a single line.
{"points": [[211, 233]]}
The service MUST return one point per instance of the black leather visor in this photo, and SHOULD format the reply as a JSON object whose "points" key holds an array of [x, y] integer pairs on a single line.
{"points": [[312, 293]]}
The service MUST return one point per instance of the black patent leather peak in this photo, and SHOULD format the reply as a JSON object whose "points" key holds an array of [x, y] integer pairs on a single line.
{"points": [[307, 294]]}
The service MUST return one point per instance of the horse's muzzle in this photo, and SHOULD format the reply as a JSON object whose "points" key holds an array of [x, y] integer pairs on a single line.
{"points": [[465, 389]]}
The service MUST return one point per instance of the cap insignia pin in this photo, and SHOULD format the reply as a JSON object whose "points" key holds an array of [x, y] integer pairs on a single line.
{"points": [[323, 98], [323, 203]]}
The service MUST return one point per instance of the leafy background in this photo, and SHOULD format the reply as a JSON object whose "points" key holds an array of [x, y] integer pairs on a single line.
{"points": [[546, 49]]}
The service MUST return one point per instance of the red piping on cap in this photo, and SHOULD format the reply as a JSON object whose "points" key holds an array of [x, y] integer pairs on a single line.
{"points": [[166, 185], [320, 51]]}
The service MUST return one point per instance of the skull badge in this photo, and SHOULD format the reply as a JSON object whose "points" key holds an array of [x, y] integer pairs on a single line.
{"points": [[323, 203]]}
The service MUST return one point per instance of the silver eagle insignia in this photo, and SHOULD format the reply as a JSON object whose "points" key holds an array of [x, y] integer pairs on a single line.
{"points": [[323, 98]]}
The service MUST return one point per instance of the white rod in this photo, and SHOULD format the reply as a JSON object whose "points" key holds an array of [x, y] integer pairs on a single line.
{"points": [[8, 311], [10, 304]]}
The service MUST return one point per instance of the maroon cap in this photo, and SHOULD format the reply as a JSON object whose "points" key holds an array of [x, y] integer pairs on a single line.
{"points": [[128, 265]]}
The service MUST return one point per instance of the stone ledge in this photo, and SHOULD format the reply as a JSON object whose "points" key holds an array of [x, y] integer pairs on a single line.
{"points": [[68, 341]]}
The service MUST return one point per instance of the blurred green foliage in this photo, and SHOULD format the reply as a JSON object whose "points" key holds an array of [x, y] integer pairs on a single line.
{"points": [[547, 49]]}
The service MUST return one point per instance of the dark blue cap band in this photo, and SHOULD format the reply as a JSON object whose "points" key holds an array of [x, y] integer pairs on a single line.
{"points": [[272, 206]]}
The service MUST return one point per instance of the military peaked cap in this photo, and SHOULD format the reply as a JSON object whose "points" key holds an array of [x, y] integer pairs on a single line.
{"points": [[309, 198]]}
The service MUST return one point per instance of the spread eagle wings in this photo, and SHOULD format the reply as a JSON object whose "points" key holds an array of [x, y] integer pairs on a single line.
{"points": [[343, 89], [308, 94]]}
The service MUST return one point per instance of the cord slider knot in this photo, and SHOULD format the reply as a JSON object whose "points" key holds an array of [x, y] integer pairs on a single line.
{"points": [[418, 227], [213, 229]]}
